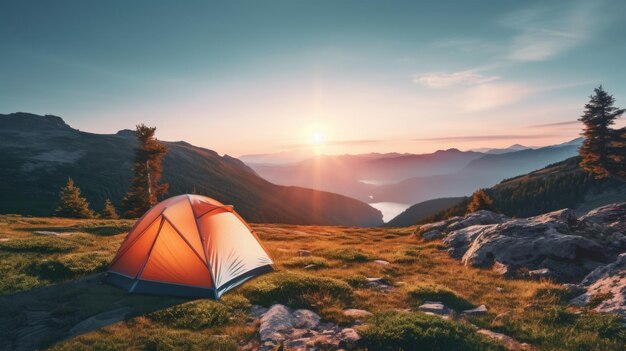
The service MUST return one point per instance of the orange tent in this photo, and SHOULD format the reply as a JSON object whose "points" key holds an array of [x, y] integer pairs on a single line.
{"points": [[188, 245]]}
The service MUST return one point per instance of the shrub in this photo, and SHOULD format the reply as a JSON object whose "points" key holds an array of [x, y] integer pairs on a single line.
{"points": [[297, 290], [193, 315], [409, 331], [356, 280], [38, 244], [434, 292], [348, 255]]}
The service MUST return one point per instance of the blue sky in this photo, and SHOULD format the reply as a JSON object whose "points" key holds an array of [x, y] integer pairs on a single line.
{"points": [[339, 76]]}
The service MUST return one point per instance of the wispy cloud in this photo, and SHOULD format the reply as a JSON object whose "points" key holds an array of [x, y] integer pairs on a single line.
{"points": [[545, 32], [440, 80], [470, 138], [556, 124], [493, 95]]}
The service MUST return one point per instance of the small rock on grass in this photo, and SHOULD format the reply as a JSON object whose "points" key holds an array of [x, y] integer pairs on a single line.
{"points": [[382, 262], [356, 313], [482, 309], [305, 319], [303, 252]]}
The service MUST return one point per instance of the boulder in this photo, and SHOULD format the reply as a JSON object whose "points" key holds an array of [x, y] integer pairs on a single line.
{"points": [[348, 338], [482, 309], [305, 319], [608, 281], [256, 311], [532, 243], [432, 235], [476, 218], [611, 217], [435, 307], [441, 225], [459, 240], [277, 320]]}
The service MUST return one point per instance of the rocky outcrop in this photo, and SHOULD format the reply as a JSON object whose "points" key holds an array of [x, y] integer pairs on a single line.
{"points": [[301, 329], [554, 245], [606, 285]]}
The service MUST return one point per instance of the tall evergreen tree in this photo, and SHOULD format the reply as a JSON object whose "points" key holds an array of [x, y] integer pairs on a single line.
{"points": [[480, 201], [599, 115], [617, 154], [73, 205], [145, 188], [109, 211]]}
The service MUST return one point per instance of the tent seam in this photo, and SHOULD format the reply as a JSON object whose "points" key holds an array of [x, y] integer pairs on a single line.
{"points": [[204, 246]]}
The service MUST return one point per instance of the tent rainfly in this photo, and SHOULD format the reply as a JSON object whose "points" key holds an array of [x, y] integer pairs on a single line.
{"points": [[188, 245]]}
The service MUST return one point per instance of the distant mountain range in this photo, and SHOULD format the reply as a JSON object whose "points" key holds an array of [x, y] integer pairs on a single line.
{"points": [[409, 179], [560, 185], [39, 153]]}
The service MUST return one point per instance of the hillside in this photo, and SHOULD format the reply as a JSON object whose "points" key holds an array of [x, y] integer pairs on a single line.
{"points": [[39, 153], [559, 185], [422, 210], [76, 311]]}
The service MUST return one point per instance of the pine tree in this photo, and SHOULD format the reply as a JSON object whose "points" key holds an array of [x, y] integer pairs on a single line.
{"points": [[145, 189], [599, 115], [480, 201], [73, 205], [617, 154], [109, 210]]}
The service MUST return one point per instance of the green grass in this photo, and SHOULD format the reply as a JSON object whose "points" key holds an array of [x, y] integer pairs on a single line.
{"points": [[418, 294], [410, 331], [536, 311], [193, 315], [298, 290], [39, 244], [347, 255]]}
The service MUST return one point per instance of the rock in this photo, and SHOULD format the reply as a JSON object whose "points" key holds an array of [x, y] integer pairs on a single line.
{"points": [[296, 344], [529, 243], [256, 311], [45, 232], [435, 307], [356, 313], [305, 319], [348, 338], [276, 320], [460, 240], [309, 266], [442, 225], [382, 262], [509, 342], [301, 333], [303, 252], [481, 217], [482, 309], [432, 235], [610, 217], [499, 289], [608, 281], [540, 273]]}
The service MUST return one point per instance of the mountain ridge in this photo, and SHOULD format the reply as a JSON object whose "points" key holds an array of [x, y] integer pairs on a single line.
{"points": [[39, 153]]}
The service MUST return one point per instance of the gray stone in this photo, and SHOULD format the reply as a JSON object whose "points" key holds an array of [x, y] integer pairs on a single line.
{"points": [[610, 281], [540, 273], [435, 307], [278, 319], [482, 309], [348, 338], [432, 235], [256, 311], [510, 343], [382, 262], [305, 319]]}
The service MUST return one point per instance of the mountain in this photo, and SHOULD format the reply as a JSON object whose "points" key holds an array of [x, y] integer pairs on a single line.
{"points": [[39, 153], [359, 176], [422, 210], [512, 148], [560, 185], [482, 172]]}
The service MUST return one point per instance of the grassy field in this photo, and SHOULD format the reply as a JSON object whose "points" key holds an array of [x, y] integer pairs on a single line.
{"points": [[529, 311]]}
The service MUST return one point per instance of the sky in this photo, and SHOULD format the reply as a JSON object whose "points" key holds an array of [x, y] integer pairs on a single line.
{"points": [[333, 76]]}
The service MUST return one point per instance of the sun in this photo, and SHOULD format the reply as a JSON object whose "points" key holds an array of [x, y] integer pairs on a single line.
{"points": [[318, 138]]}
